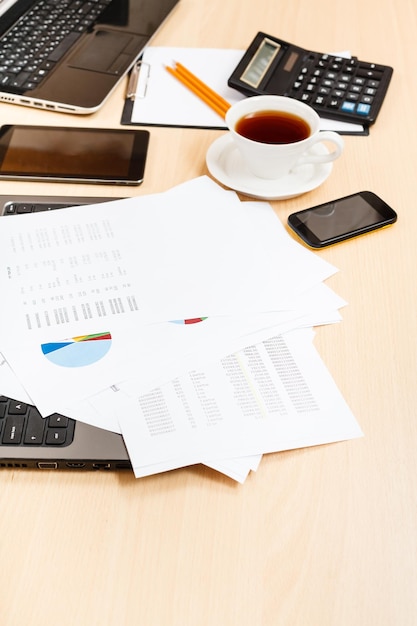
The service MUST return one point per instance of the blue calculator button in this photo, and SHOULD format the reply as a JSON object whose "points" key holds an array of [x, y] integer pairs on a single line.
{"points": [[363, 109], [349, 107]]}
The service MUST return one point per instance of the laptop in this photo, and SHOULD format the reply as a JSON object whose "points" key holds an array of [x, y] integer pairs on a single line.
{"points": [[56, 442], [69, 55]]}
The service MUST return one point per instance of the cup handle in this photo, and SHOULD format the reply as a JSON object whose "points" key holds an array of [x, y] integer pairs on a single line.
{"points": [[331, 137]]}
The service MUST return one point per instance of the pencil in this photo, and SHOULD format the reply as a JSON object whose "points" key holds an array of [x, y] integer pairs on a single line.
{"points": [[200, 89]]}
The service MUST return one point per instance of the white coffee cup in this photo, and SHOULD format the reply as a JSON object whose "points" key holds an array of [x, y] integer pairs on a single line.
{"points": [[275, 160]]}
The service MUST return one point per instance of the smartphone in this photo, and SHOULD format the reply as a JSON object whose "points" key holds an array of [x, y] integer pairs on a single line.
{"points": [[65, 154], [341, 219]]}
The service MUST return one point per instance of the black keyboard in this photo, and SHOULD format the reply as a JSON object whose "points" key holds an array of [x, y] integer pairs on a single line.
{"points": [[35, 44], [21, 425], [20, 208], [340, 87]]}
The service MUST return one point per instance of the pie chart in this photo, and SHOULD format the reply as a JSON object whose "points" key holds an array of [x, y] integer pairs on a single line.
{"points": [[78, 351], [191, 320]]}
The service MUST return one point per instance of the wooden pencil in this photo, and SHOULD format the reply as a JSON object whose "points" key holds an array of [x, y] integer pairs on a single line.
{"points": [[200, 89]]}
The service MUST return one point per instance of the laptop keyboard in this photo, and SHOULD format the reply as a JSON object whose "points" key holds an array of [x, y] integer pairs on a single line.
{"points": [[35, 44], [20, 208], [21, 425]]}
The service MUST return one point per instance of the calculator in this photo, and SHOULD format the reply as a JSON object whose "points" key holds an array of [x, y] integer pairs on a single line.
{"points": [[343, 89]]}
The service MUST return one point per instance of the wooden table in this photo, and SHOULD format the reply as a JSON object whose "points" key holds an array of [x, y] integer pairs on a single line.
{"points": [[325, 536]]}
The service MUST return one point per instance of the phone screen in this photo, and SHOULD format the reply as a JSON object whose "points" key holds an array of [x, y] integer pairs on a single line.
{"points": [[77, 154], [341, 219]]}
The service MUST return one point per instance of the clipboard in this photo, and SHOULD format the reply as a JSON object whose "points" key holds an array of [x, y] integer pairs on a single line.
{"points": [[155, 98]]}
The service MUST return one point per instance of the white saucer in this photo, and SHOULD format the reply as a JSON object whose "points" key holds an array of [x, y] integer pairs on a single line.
{"points": [[225, 164]]}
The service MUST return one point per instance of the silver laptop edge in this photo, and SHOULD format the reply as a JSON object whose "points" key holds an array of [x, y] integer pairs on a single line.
{"points": [[73, 88]]}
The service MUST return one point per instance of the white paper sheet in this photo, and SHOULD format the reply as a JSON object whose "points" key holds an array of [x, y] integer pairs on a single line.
{"points": [[268, 397]]}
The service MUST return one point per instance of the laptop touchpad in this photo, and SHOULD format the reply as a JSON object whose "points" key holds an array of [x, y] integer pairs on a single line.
{"points": [[104, 52]]}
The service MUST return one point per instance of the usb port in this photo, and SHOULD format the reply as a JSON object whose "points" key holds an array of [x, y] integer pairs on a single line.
{"points": [[101, 465]]}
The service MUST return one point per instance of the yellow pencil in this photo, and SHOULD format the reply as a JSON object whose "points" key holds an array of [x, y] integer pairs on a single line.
{"points": [[200, 89]]}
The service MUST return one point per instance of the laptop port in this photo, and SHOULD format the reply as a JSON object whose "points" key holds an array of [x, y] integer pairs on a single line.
{"points": [[101, 465], [47, 465], [75, 465]]}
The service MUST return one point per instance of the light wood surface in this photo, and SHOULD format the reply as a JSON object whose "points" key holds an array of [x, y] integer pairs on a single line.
{"points": [[325, 536]]}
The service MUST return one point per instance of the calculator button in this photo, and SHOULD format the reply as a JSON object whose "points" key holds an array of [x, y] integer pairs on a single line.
{"points": [[375, 74], [319, 101], [348, 107], [333, 103], [363, 109]]}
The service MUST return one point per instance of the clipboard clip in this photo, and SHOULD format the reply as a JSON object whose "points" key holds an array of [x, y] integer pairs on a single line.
{"points": [[134, 90]]}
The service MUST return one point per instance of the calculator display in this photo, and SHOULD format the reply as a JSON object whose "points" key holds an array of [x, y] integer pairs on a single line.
{"points": [[260, 63]]}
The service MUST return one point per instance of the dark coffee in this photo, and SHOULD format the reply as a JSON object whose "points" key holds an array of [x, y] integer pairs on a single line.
{"points": [[273, 127]]}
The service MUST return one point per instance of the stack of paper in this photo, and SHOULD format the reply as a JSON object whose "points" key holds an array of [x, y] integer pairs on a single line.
{"points": [[205, 307]]}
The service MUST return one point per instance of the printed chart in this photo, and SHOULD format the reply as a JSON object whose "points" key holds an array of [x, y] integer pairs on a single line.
{"points": [[78, 351], [191, 320]]}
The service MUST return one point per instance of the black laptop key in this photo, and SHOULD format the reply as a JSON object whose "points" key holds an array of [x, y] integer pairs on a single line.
{"points": [[13, 429], [17, 408], [56, 436], [58, 421], [24, 208], [49, 206], [14, 423], [35, 428]]}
